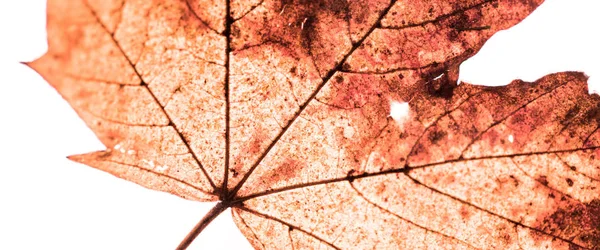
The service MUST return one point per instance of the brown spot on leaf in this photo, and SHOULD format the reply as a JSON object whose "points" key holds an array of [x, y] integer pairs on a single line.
{"points": [[436, 135], [286, 170], [465, 214], [543, 180], [569, 182]]}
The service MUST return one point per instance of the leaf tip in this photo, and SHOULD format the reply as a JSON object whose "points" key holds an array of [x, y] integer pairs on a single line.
{"points": [[83, 158], [75, 158]]}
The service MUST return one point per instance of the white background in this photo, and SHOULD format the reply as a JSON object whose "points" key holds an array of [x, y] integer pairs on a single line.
{"points": [[48, 202]]}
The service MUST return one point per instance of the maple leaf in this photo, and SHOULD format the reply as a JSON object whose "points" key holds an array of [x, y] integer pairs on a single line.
{"points": [[281, 110]]}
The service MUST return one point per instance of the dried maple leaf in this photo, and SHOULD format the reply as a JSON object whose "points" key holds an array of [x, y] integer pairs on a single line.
{"points": [[281, 110]]}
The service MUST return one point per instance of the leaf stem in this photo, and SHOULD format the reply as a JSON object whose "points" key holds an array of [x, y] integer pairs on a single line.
{"points": [[210, 216]]}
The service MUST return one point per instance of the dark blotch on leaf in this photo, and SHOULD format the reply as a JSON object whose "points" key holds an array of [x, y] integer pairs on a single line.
{"points": [[569, 182], [436, 135], [308, 32], [570, 114], [578, 221], [440, 82], [543, 179]]}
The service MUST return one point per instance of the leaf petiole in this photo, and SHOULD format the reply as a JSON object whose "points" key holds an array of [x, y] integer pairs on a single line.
{"points": [[209, 217]]}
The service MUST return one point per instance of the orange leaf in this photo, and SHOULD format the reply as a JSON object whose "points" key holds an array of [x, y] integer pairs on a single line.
{"points": [[281, 110]]}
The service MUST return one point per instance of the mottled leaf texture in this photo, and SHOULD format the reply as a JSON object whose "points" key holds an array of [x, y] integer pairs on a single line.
{"points": [[280, 109]]}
